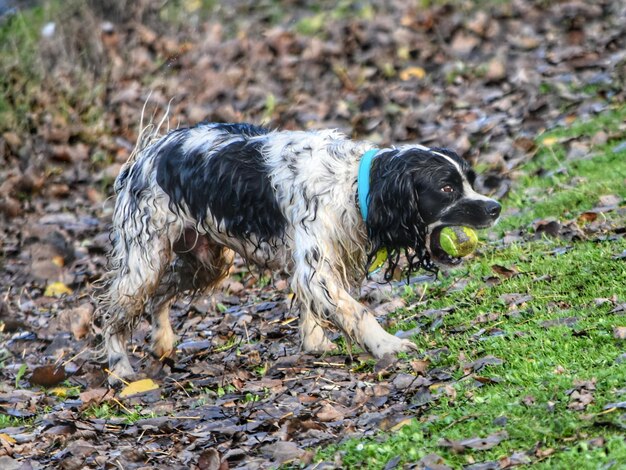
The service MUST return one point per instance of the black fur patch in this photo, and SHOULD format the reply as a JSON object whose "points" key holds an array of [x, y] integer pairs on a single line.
{"points": [[231, 183], [245, 129], [394, 221]]}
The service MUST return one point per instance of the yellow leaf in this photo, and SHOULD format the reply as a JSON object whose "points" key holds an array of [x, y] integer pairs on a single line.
{"points": [[412, 72], [58, 261], [139, 386], [549, 141], [60, 392], [57, 289], [192, 5], [401, 424], [404, 53], [7, 438]]}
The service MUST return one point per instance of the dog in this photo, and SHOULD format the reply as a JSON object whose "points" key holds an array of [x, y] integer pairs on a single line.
{"points": [[317, 204]]}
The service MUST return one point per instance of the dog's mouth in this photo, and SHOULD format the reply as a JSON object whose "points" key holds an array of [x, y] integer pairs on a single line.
{"points": [[437, 253]]}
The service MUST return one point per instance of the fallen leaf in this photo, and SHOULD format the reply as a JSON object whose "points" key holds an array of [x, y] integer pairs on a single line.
{"points": [[60, 392], [412, 72], [8, 439], [487, 380], [48, 376], [581, 395], [496, 70], [621, 404], [505, 272], [282, 451], [551, 228], [78, 319], [587, 217], [139, 386], [96, 396], [433, 462], [543, 453], [481, 363], [420, 366], [57, 289], [608, 200], [329, 413], [619, 332], [475, 443], [209, 460], [565, 321], [549, 141], [401, 424]]}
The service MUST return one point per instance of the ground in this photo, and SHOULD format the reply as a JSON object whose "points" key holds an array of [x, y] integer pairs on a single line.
{"points": [[521, 349]]}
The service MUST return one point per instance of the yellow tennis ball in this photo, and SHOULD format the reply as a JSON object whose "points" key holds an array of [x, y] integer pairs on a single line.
{"points": [[458, 241]]}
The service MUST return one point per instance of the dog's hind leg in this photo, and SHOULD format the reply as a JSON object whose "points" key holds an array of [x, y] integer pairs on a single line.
{"points": [[163, 337], [142, 250], [201, 265], [132, 286]]}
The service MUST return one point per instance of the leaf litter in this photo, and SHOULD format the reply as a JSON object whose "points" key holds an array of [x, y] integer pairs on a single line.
{"points": [[239, 393]]}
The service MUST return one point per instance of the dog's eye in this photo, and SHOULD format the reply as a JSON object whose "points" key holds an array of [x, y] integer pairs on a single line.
{"points": [[447, 189]]}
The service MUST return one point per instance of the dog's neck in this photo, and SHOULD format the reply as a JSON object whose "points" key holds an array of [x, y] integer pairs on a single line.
{"points": [[363, 180]]}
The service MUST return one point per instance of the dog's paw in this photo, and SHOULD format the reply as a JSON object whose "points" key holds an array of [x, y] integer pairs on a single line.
{"points": [[163, 344], [391, 345], [318, 345], [120, 372], [314, 339]]}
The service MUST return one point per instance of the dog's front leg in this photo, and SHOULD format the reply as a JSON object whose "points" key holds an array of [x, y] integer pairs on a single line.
{"points": [[359, 324], [323, 299]]}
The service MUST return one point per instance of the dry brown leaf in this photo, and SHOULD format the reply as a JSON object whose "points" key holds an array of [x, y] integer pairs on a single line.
{"points": [[48, 376], [505, 272], [619, 332], [329, 413], [94, 396], [420, 366], [78, 320], [209, 460], [475, 443]]}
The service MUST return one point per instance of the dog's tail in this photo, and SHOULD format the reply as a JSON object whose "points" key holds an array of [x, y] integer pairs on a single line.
{"points": [[148, 134]]}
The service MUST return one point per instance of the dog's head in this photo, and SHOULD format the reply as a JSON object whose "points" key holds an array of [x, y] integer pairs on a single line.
{"points": [[415, 192]]}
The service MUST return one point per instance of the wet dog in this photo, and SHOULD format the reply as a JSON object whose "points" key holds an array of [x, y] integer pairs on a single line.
{"points": [[316, 203]]}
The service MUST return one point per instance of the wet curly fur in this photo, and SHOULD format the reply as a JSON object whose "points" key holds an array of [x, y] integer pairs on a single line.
{"points": [[187, 201]]}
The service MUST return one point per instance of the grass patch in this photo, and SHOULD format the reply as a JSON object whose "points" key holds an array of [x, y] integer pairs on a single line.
{"points": [[321, 16], [552, 324], [558, 187], [7, 421], [20, 69], [109, 411]]}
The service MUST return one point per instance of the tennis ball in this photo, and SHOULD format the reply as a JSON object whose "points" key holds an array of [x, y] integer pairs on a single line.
{"points": [[458, 241]]}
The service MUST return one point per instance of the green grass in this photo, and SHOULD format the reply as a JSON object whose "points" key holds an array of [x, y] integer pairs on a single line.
{"points": [[567, 282], [111, 411], [20, 70], [568, 187], [7, 421]]}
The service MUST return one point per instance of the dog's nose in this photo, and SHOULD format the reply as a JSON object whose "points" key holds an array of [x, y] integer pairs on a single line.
{"points": [[493, 209]]}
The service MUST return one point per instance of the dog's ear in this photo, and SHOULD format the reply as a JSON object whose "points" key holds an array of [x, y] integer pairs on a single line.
{"points": [[394, 221]]}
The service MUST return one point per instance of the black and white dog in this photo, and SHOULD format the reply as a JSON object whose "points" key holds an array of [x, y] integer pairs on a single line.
{"points": [[316, 203]]}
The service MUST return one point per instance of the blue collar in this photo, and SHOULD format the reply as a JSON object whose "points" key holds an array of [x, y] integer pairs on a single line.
{"points": [[363, 180]]}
